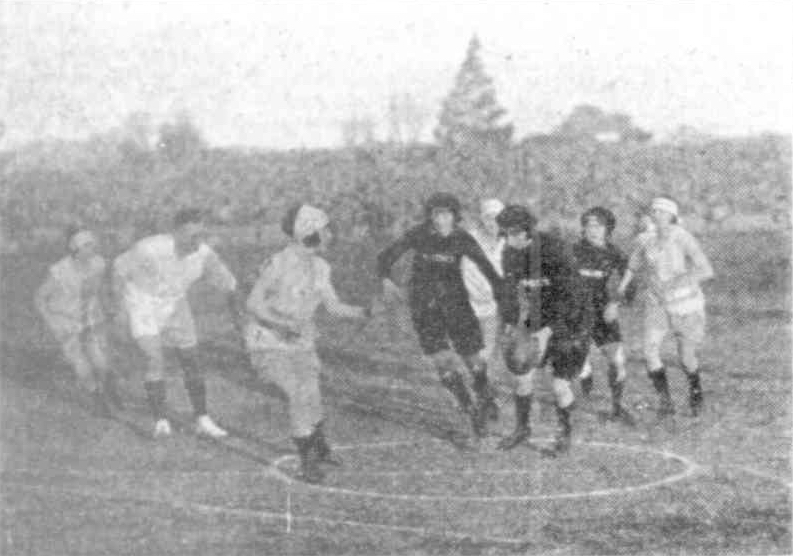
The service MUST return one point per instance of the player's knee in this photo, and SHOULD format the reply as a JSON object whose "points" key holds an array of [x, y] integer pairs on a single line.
{"points": [[652, 356], [517, 360], [586, 369], [476, 364], [525, 383], [563, 392], [616, 355], [188, 359], [444, 364], [688, 357]]}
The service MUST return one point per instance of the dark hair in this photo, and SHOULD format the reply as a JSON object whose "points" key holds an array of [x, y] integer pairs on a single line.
{"points": [[288, 221], [445, 201], [188, 216], [516, 217], [288, 227], [603, 215]]}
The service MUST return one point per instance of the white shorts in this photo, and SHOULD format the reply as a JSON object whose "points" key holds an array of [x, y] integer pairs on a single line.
{"points": [[170, 319]]}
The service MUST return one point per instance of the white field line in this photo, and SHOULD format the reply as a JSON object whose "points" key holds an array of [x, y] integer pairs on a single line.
{"points": [[263, 515], [690, 469]]}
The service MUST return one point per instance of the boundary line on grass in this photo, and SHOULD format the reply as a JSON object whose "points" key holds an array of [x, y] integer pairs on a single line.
{"points": [[268, 515], [689, 470]]}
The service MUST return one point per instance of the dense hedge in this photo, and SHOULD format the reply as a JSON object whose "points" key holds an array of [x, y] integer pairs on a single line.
{"points": [[378, 190]]}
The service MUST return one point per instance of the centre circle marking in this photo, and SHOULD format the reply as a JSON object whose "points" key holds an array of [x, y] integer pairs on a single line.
{"points": [[690, 468]]}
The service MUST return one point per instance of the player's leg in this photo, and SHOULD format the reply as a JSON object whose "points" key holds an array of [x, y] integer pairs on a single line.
{"points": [[689, 332], [297, 373], [464, 331], [655, 329], [585, 378], [74, 353], [466, 336], [313, 403], [601, 334], [431, 332], [180, 333], [146, 319], [615, 354], [97, 347], [608, 338], [489, 327], [154, 382], [523, 359], [566, 363]]}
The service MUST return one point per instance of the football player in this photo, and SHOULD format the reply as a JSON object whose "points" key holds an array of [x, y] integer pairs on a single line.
{"points": [[598, 261], [70, 302], [674, 266], [439, 304], [480, 293], [556, 329], [291, 285], [152, 280]]}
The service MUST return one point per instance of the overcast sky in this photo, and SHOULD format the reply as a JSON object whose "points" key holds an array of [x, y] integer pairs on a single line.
{"points": [[286, 74]]}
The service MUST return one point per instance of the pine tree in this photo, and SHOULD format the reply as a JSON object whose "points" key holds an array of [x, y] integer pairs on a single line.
{"points": [[470, 115]]}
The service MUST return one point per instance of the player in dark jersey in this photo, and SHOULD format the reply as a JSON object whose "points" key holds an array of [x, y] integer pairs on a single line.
{"points": [[599, 261], [438, 299], [556, 329]]}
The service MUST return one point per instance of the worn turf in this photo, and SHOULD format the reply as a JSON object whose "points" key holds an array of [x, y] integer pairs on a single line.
{"points": [[412, 483]]}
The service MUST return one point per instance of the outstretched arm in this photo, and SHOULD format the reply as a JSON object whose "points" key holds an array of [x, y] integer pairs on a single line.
{"points": [[332, 302], [392, 253]]}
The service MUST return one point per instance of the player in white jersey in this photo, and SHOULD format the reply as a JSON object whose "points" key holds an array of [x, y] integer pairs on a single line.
{"points": [[480, 293], [675, 265], [291, 285], [152, 279], [70, 302]]}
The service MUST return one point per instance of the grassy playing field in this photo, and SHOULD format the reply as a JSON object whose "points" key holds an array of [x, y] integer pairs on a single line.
{"points": [[718, 484]]}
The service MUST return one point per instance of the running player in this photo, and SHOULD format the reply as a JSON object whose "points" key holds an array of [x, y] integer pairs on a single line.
{"points": [[480, 293], [599, 260], [291, 285], [439, 304], [675, 266], [70, 302], [557, 323], [152, 279]]}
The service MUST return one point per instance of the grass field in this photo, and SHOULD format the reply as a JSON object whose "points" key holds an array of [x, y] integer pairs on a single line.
{"points": [[717, 484]]}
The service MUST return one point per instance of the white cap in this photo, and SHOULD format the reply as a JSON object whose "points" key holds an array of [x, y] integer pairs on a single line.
{"points": [[490, 207], [309, 220], [662, 203]]}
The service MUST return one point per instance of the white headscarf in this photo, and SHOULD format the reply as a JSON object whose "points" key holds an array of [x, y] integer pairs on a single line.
{"points": [[309, 220], [491, 207], [662, 203]]}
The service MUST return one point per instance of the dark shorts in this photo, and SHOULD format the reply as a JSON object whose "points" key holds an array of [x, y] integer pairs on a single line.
{"points": [[605, 332], [438, 323], [566, 363]]}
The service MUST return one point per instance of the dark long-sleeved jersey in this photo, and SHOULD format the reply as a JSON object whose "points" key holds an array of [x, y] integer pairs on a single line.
{"points": [[596, 265], [436, 264], [546, 272]]}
